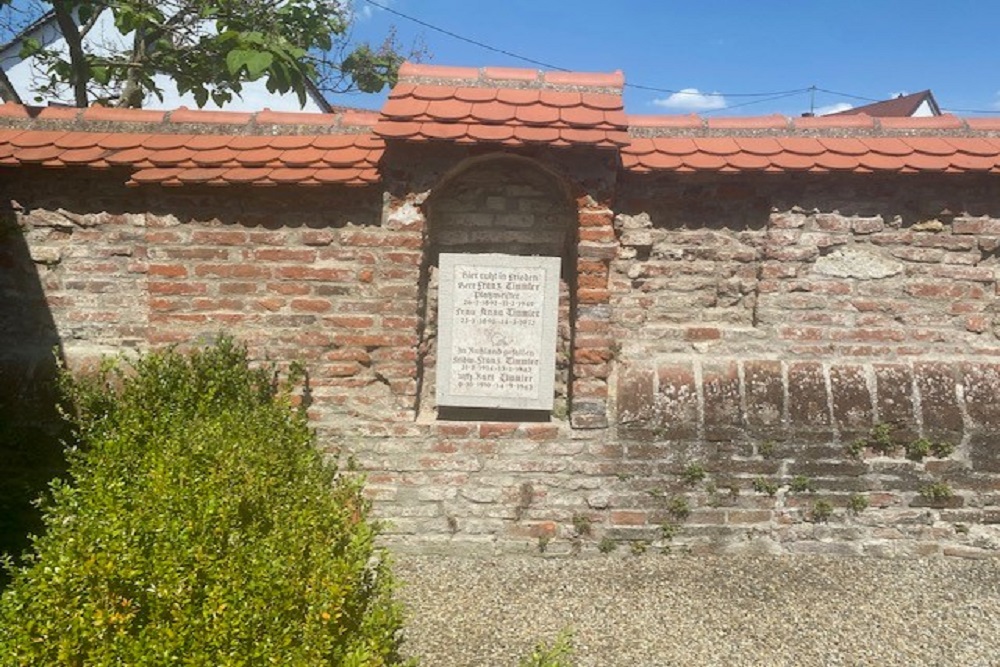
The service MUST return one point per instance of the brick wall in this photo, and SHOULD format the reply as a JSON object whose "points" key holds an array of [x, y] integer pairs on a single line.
{"points": [[726, 341]]}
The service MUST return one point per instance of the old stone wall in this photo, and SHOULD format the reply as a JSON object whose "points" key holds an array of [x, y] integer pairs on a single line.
{"points": [[779, 363]]}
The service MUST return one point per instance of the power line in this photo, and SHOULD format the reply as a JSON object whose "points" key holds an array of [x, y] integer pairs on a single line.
{"points": [[550, 66], [769, 96]]}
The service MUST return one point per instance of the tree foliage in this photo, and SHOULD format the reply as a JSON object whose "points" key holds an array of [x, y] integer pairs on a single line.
{"points": [[209, 48], [200, 527]]}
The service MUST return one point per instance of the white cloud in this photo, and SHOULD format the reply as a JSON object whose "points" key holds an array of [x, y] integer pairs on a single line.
{"points": [[691, 99], [833, 108], [996, 102], [362, 11]]}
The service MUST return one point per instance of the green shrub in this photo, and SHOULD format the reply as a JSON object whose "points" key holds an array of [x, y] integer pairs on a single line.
{"points": [[200, 527]]}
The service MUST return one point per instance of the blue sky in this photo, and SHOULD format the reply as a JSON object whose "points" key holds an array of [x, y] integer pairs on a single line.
{"points": [[872, 49]]}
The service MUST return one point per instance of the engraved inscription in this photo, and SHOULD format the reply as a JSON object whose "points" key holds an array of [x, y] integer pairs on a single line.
{"points": [[498, 330], [497, 321]]}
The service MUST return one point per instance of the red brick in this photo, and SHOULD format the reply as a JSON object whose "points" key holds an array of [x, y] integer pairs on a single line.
{"points": [[311, 273], [702, 333], [177, 288], [628, 518], [311, 305], [382, 239], [601, 234], [593, 295], [225, 237], [168, 270], [593, 219], [233, 270], [284, 255]]}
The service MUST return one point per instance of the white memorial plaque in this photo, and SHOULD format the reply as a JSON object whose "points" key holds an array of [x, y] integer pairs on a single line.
{"points": [[497, 318]]}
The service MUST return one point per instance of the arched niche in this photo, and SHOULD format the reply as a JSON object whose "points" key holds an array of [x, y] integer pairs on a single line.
{"points": [[508, 205]]}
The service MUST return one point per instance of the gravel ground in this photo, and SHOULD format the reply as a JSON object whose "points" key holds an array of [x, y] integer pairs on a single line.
{"points": [[685, 610]]}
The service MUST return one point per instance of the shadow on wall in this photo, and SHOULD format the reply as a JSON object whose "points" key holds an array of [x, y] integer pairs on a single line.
{"points": [[31, 430]]}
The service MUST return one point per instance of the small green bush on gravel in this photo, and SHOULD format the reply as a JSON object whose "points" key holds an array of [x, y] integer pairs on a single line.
{"points": [[200, 527]]}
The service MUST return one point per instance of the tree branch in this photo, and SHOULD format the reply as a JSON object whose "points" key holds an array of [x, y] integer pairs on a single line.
{"points": [[74, 42], [7, 91]]}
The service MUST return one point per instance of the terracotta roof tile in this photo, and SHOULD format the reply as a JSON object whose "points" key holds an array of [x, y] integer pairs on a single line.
{"points": [[303, 157], [748, 123], [701, 161], [185, 115], [268, 117], [166, 141], [493, 112], [37, 139], [347, 156], [156, 175], [759, 145], [976, 146], [891, 146], [942, 122], [433, 92], [469, 94], [404, 108], [717, 145], [171, 156], [325, 141], [451, 110], [249, 142], [415, 70], [844, 145], [689, 121], [85, 155], [537, 114], [989, 124], [207, 142], [541, 134], [38, 153], [337, 175], [258, 157], [286, 175], [511, 74], [860, 121], [201, 174], [215, 157], [931, 145], [590, 79], [517, 97], [116, 115]]}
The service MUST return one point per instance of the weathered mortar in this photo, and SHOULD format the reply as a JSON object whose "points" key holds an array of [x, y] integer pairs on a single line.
{"points": [[750, 327]]}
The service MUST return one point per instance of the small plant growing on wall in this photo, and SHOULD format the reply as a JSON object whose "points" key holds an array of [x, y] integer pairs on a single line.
{"points": [[801, 484], [822, 511], [856, 448], [937, 492], [942, 450], [669, 531], [880, 439], [857, 503], [607, 545], [679, 508], [918, 449], [766, 449], [761, 485], [693, 473], [582, 525]]}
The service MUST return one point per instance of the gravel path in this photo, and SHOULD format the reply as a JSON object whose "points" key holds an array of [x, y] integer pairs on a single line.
{"points": [[684, 610]]}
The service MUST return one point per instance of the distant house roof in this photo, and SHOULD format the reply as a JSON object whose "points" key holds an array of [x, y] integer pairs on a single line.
{"points": [[491, 109], [900, 106]]}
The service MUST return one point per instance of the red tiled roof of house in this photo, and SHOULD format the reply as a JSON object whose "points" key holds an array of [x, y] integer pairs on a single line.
{"points": [[900, 106], [859, 144], [507, 106], [208, 147]]}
